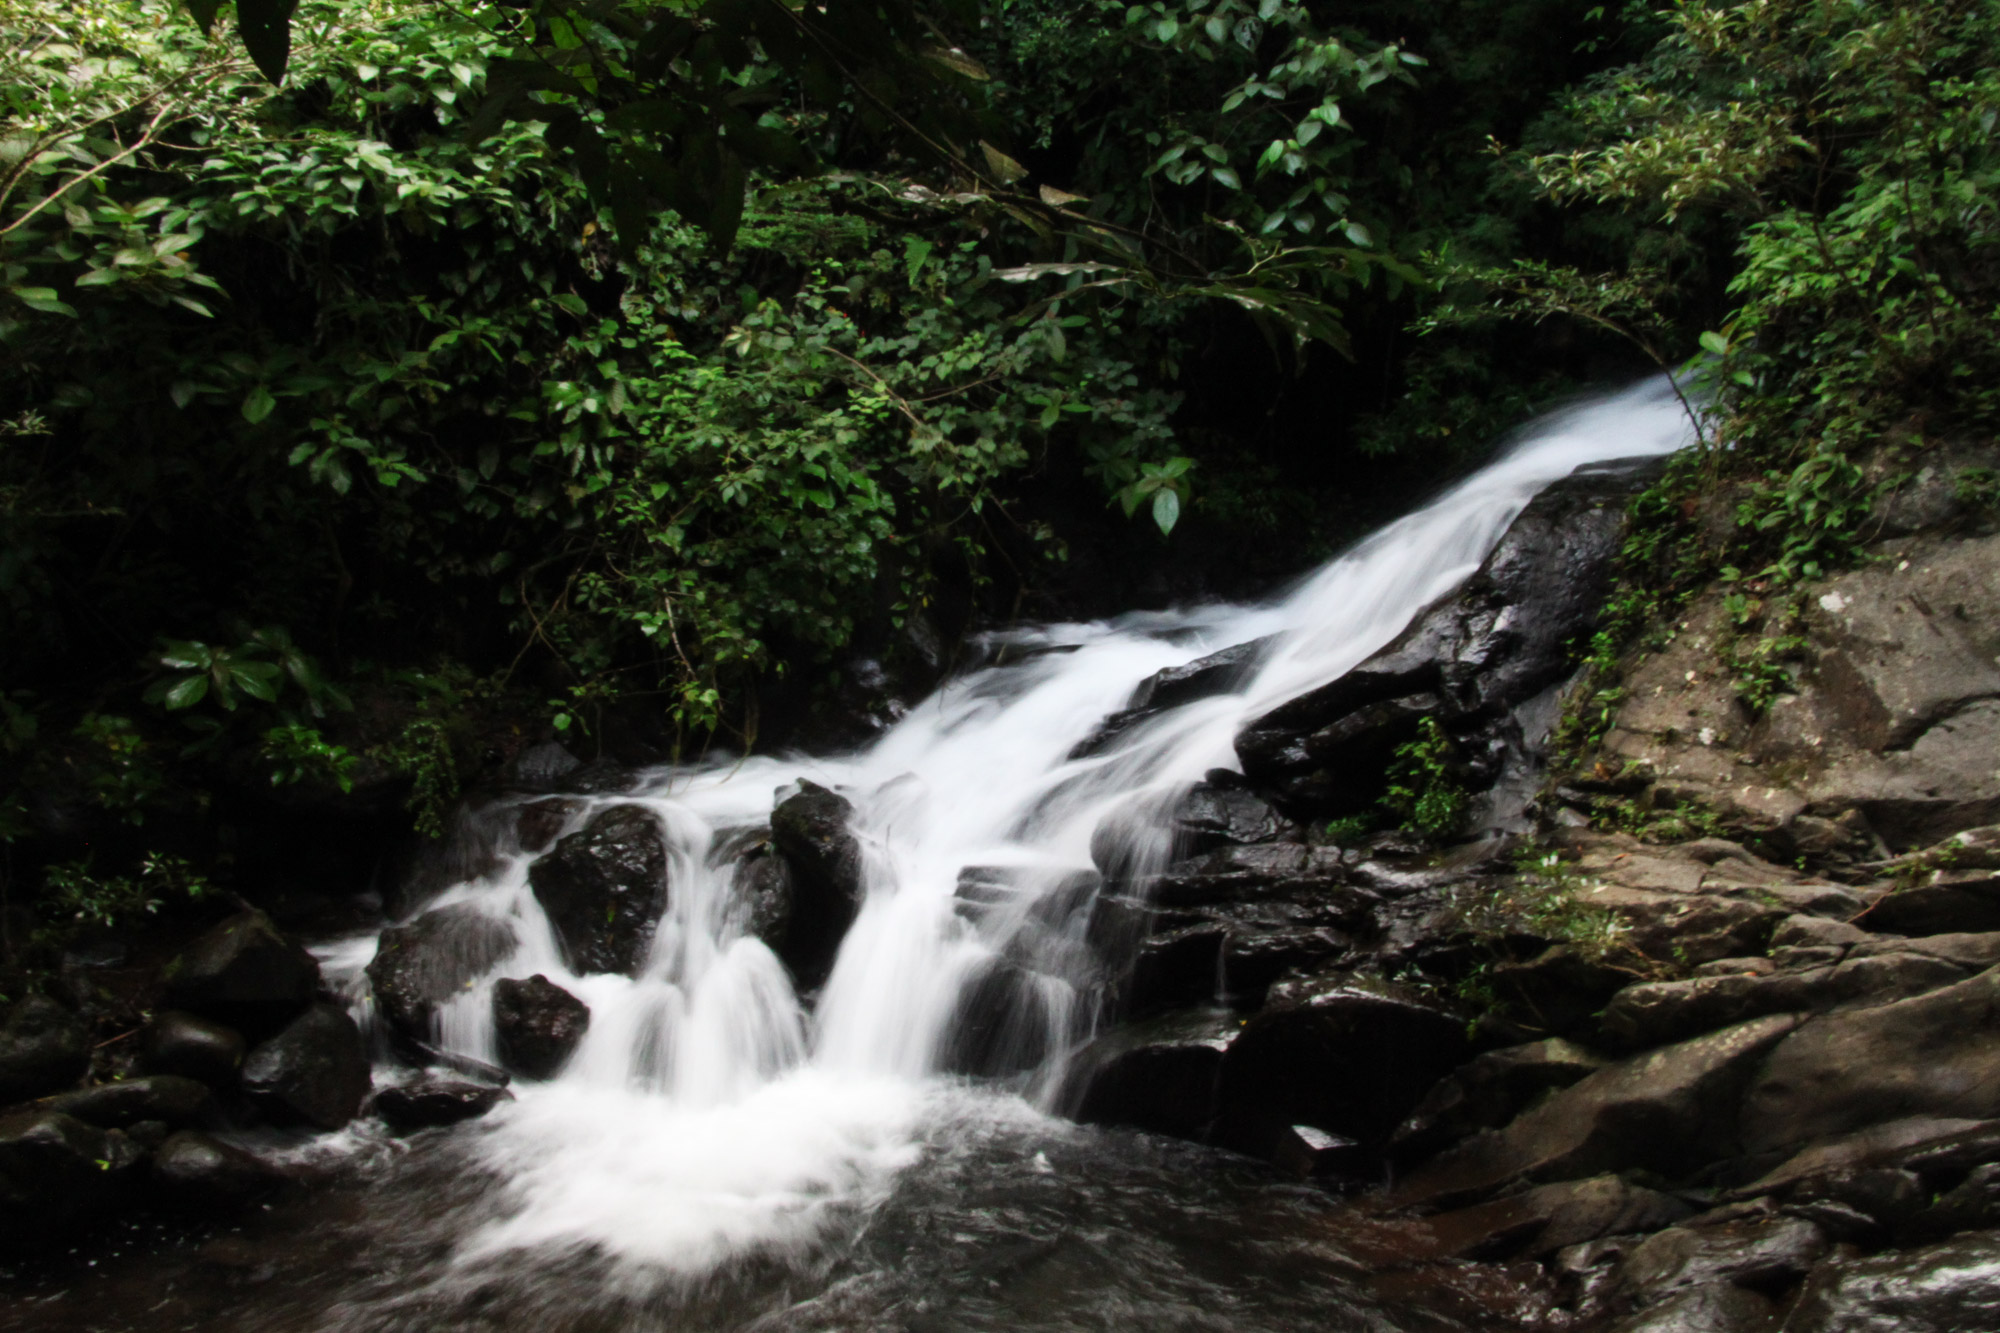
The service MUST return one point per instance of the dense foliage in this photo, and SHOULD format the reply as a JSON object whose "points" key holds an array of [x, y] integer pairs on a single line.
{"points": [[507, 368]]}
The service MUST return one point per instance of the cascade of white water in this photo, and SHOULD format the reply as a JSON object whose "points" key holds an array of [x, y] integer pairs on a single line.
{"points": [[707, 1114]]}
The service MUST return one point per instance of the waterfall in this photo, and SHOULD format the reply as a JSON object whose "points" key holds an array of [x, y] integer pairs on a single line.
{"points": [[709, 1115]]}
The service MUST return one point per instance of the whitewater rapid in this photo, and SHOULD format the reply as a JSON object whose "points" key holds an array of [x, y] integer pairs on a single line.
{"points": [[709, 1115]]}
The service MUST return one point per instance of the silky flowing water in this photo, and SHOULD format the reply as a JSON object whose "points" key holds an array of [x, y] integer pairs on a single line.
{"points": [[720, 1155]]}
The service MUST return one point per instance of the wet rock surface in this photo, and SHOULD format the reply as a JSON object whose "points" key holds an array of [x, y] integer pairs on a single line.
{"points": [[313, 1072], [812, 831], [419, 966], [176, 1042], [603, 888], [43, 1047], [245, 974], [427, 1102], [194, 1172], [537, 1025]]}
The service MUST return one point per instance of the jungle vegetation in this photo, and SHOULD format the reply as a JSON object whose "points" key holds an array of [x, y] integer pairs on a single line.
{"points": [[391, 382]]}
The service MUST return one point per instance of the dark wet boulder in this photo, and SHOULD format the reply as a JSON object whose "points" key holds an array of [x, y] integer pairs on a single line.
{"points": [[1720, 1307], [193, 1172], [1769, 1253], [1212, 816], [427, 1102], [1669, 1111], [604, 888], [423, 964], [1344, 1055], [1951, 1287], [540, 822], [1160, 1075], [1491, 1089], [1005, 1020], [177, 1042], [1223, 672], [1281, 869], [1931, 1055], [168, 1098], [542, 767], [1492, 645], [315, 1071], [43, 1048], [1537, 1222], [537, 1025], [54, 1175], [762, 885], [245, 973], [813, 831]]}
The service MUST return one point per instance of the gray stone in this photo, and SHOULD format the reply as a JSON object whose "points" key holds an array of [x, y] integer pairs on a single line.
{"points": [[176, 1101], [1718, 1308], [604, 888], [1930, 1055], [426, 1102], [537, 1025], [315, 1071], [1538, 1222], [1669, 1110], [1655, 1012], [1952, 1287], [1817, 931], [1767, 1252], [43, 1047], [1491, 1089], [243, 973], [1952, 903], [177, 1042], [421, 965], [1209, 817], [194, 1172]]}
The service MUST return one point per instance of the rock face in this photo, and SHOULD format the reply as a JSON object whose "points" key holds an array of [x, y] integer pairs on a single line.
{"points": [[1163, 1075], [196, 1173], [1223, 672], [176, 1042], [1482, 652], [1931, 1055], [1952, 1287], [811, 830], [245, 974], [537, 1025], [43, 1048], [1668, 1110], [434, 1101], [51, 1180], [1339, 1056], [419, 966], [1491, 1089], [315, 1071], [604, 887], [763, 884], [1537, 1222]]}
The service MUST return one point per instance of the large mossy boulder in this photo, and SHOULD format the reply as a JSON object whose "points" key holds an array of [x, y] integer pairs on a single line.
{"points": [[177, 1042], [315, 1071], [43, 1048], [245, 973], [604, 888], [813, 831], [421, 965]]}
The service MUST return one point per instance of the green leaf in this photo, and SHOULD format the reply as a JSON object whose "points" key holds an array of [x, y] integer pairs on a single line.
{"points": [[1166, 509], [1004, 168], [187, 692], [1714, 343], [259, 680], [258, 404], [44, 300]]}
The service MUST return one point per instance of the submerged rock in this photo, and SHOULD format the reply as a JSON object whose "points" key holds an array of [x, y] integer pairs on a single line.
{"points": [[537, 1025], [315, 1071], [420, 966], [1953, 1287], [811, 830], [244, 973], [604, 888], [177, 1042], [43, 1048]]}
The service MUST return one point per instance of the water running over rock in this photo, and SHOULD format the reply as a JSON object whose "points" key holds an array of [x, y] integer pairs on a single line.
{"points": [[707, 1114]]}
